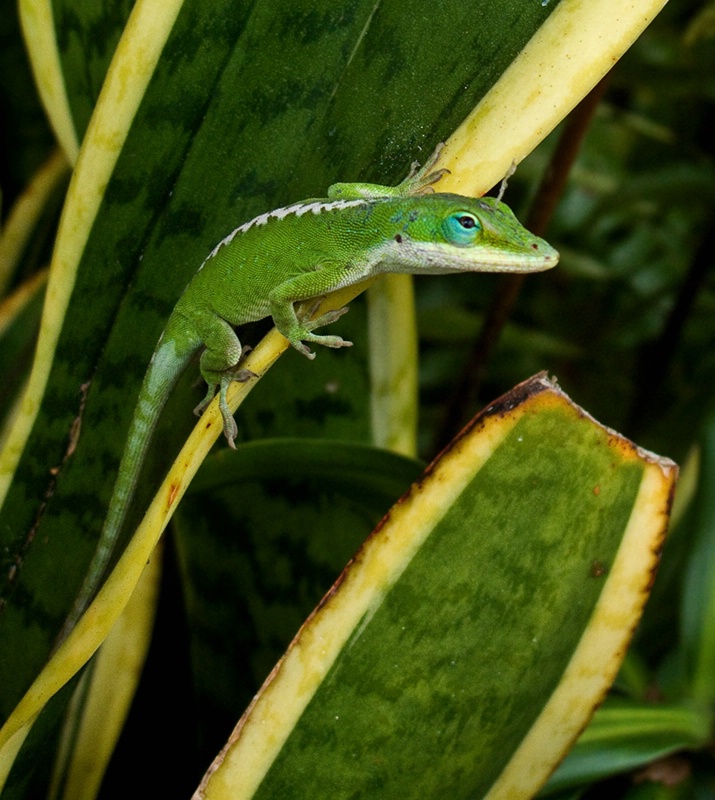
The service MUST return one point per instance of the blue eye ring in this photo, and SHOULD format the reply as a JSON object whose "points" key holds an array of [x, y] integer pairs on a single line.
{"points": [[461, 228]]}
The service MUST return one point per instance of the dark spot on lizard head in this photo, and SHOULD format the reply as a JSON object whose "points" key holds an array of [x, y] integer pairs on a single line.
{"points": [[398, 238]]}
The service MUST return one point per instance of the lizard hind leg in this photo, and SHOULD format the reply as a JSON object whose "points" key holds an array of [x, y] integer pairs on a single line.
{"points": [[219, 368], [221, 381]]}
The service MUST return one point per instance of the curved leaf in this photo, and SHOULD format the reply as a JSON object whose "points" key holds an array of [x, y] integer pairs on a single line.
{"points": [[525, 551], [101, 703], [622, 738]]}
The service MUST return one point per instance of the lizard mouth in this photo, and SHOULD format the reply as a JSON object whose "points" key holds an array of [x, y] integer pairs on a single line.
{"points": [[437, 259]]}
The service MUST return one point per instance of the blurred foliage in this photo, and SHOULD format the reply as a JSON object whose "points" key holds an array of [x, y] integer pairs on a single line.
{"points": [[625, 322]]}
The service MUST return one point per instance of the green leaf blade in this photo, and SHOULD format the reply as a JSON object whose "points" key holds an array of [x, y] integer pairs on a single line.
{"points": [[466, 608], [698, 593], [625, 736]]}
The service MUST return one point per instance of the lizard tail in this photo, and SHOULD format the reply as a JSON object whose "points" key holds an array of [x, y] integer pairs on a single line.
{"points": [[167, 364]]}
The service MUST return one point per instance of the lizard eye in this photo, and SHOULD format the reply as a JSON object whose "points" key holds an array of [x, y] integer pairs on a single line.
{"points": [[461, 228]]}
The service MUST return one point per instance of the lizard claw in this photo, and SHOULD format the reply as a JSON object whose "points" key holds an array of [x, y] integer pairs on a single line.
{"points": [[419, 181], [203, 405], [304, 349], [230, 429], [243, 375]]}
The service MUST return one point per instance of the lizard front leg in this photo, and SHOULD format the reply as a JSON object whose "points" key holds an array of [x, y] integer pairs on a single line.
{"points": [[313, 285], [418, 181]]}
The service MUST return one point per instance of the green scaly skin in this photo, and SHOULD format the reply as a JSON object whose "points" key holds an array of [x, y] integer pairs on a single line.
{"points": [[301, 253]]}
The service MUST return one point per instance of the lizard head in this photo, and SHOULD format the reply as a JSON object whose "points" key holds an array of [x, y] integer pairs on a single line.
{"points": [[450, 233]]}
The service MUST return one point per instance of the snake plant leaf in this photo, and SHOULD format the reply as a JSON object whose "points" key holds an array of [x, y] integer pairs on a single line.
{"points": [[360, 471], [19, 319], [23, 250], [699, 588], [623, 736], [29, 222], [468, 641]]}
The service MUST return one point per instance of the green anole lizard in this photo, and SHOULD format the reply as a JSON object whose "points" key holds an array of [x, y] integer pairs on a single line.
{"points": [[299, 253]]}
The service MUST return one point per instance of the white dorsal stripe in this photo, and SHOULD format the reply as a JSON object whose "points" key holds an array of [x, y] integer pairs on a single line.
{"points": [[297, 209]]}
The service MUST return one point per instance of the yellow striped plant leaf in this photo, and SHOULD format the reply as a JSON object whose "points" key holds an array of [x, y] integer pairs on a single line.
{"points": [[469, 640]]}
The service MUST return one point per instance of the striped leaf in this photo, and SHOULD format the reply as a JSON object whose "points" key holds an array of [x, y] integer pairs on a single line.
{"points": [[469, 640]]}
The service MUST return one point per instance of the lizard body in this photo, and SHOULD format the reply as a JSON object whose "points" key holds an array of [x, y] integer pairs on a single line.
{"points": [[299, 253]]}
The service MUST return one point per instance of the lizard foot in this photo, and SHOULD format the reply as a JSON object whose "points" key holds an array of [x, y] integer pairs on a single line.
{"points": [[203, 405], [241, 375], [230, 429], [326, 341], [323, 319], [419, 181], [304, 333]]}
